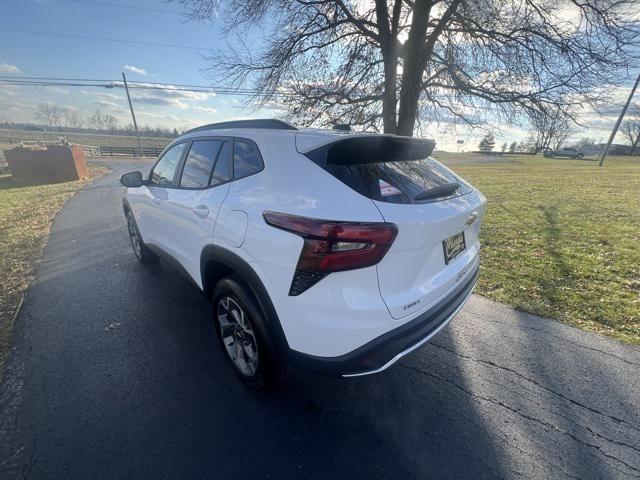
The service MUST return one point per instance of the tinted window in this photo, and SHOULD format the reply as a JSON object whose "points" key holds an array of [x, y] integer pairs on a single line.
{"points": [[199, 162], [222, 170], [166, 167], [246, 159], [398, 181]]}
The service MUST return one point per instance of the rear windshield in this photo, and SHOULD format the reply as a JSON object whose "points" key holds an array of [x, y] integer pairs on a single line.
{"points": [[399, 181]]}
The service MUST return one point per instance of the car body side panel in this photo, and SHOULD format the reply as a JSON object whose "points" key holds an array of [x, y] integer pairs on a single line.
{"points": [[185, 233]]}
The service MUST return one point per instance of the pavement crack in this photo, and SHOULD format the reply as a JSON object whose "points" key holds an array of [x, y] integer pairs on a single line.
{"points": [[538, 384], [490, 400], [546, 425], [564, 339]]}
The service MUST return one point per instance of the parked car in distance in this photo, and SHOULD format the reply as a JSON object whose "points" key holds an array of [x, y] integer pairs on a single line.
{"points": [[325, 250], [568, 152]]}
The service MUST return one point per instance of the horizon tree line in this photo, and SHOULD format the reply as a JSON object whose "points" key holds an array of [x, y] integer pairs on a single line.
{"points": [[55, 117]]}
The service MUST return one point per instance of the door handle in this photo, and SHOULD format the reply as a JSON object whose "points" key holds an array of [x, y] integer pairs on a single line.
{"points": [[201, 211]]}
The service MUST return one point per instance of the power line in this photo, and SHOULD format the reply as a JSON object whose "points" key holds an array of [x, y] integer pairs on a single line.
{"points": [[13, 77], [132, 7], [102, 39], [169, 87], [142, 84]]}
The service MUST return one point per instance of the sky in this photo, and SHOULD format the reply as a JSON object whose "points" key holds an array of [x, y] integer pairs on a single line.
{"points": [[180, 60]]}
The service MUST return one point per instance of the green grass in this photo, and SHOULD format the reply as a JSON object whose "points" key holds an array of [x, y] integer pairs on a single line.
{"points": [[562, 239], [26, 213]]}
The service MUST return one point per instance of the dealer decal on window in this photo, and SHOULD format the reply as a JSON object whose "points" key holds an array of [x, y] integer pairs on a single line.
{"points": [[387, 190]]}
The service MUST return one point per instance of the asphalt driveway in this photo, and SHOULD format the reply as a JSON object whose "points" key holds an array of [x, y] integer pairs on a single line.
{"points": [[115, 373]]}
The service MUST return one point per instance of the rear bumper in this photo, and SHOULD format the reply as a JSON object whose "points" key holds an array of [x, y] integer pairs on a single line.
{"points": [[383, 351]]}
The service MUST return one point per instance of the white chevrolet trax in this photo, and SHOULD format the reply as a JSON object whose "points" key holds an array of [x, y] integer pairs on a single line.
{"points": [[325, 250]]}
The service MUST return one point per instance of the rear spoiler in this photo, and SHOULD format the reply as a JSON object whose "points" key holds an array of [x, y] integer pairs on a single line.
{"points": [[371, 149]]}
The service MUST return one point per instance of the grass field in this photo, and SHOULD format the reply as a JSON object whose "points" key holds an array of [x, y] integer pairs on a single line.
{"points": [[562, 239], [9, 138], [25, 217]]}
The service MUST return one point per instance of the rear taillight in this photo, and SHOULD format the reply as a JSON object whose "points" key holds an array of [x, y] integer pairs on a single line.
{"points": [[333, 246]]}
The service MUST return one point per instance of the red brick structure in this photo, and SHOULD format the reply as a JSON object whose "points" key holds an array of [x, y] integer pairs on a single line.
{"points": [[56, 163]]}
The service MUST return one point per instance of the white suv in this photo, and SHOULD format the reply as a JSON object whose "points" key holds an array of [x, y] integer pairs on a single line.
{"points": [[327, 250]]}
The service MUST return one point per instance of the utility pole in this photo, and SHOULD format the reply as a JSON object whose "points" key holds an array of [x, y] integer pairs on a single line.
{"points": [[635, 144], [133, 115], [617, 125]]}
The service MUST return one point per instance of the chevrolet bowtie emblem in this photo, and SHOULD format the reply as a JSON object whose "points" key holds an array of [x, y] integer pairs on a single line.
{"points": [[472, 218]]}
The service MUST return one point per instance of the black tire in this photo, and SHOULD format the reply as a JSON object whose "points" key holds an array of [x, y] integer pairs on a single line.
{"points": [[141, 251], [270, 368]]}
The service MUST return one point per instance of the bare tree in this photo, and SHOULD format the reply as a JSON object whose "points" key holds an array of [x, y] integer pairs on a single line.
{"points": [[110, 122], [391, 64], [552, 128], [96, 121], [49, 114], [72, 119], [631, 129]]}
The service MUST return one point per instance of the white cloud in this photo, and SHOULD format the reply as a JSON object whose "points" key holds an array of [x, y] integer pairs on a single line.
{"points": [[10, 90], [13, 106], [205, 109], [169, 91], [6, 68], [58, 90], [161, 101], [109, 105], [134, 69], [106, 96]]}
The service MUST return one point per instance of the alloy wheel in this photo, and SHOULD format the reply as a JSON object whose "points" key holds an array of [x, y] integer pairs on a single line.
{"points": [[133, 235], [237, 336]]}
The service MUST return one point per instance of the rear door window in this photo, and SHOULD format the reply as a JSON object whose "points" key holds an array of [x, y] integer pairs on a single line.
{"points": [[398, 181], [246, 159], [199, 163]]}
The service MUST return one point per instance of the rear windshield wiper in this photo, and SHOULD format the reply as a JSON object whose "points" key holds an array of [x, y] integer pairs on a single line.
{"points": [[439, 191]]}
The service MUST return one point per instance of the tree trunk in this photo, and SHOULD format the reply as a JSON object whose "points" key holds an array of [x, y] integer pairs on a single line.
{"points": [[415, 61], [389, 47], [389, 100]]}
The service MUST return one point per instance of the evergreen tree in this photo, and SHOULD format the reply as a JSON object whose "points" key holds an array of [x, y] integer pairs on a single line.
{"points": [[487, 143]]}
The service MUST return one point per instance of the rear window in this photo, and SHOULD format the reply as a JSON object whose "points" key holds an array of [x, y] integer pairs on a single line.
{"points": [[246, 159], [398, 181]]}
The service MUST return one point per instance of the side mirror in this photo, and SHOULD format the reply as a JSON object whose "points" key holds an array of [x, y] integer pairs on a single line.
{"points": [[132, 179]]}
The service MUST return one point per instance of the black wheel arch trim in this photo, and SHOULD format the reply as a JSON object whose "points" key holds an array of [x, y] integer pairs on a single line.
{"points": [[213, 256]]}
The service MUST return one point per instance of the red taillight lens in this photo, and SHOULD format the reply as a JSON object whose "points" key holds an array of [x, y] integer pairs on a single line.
{"points": [[333, 246]]}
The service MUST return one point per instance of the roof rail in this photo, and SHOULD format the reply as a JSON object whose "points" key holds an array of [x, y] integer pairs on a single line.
{"points": [[267, 123]]}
